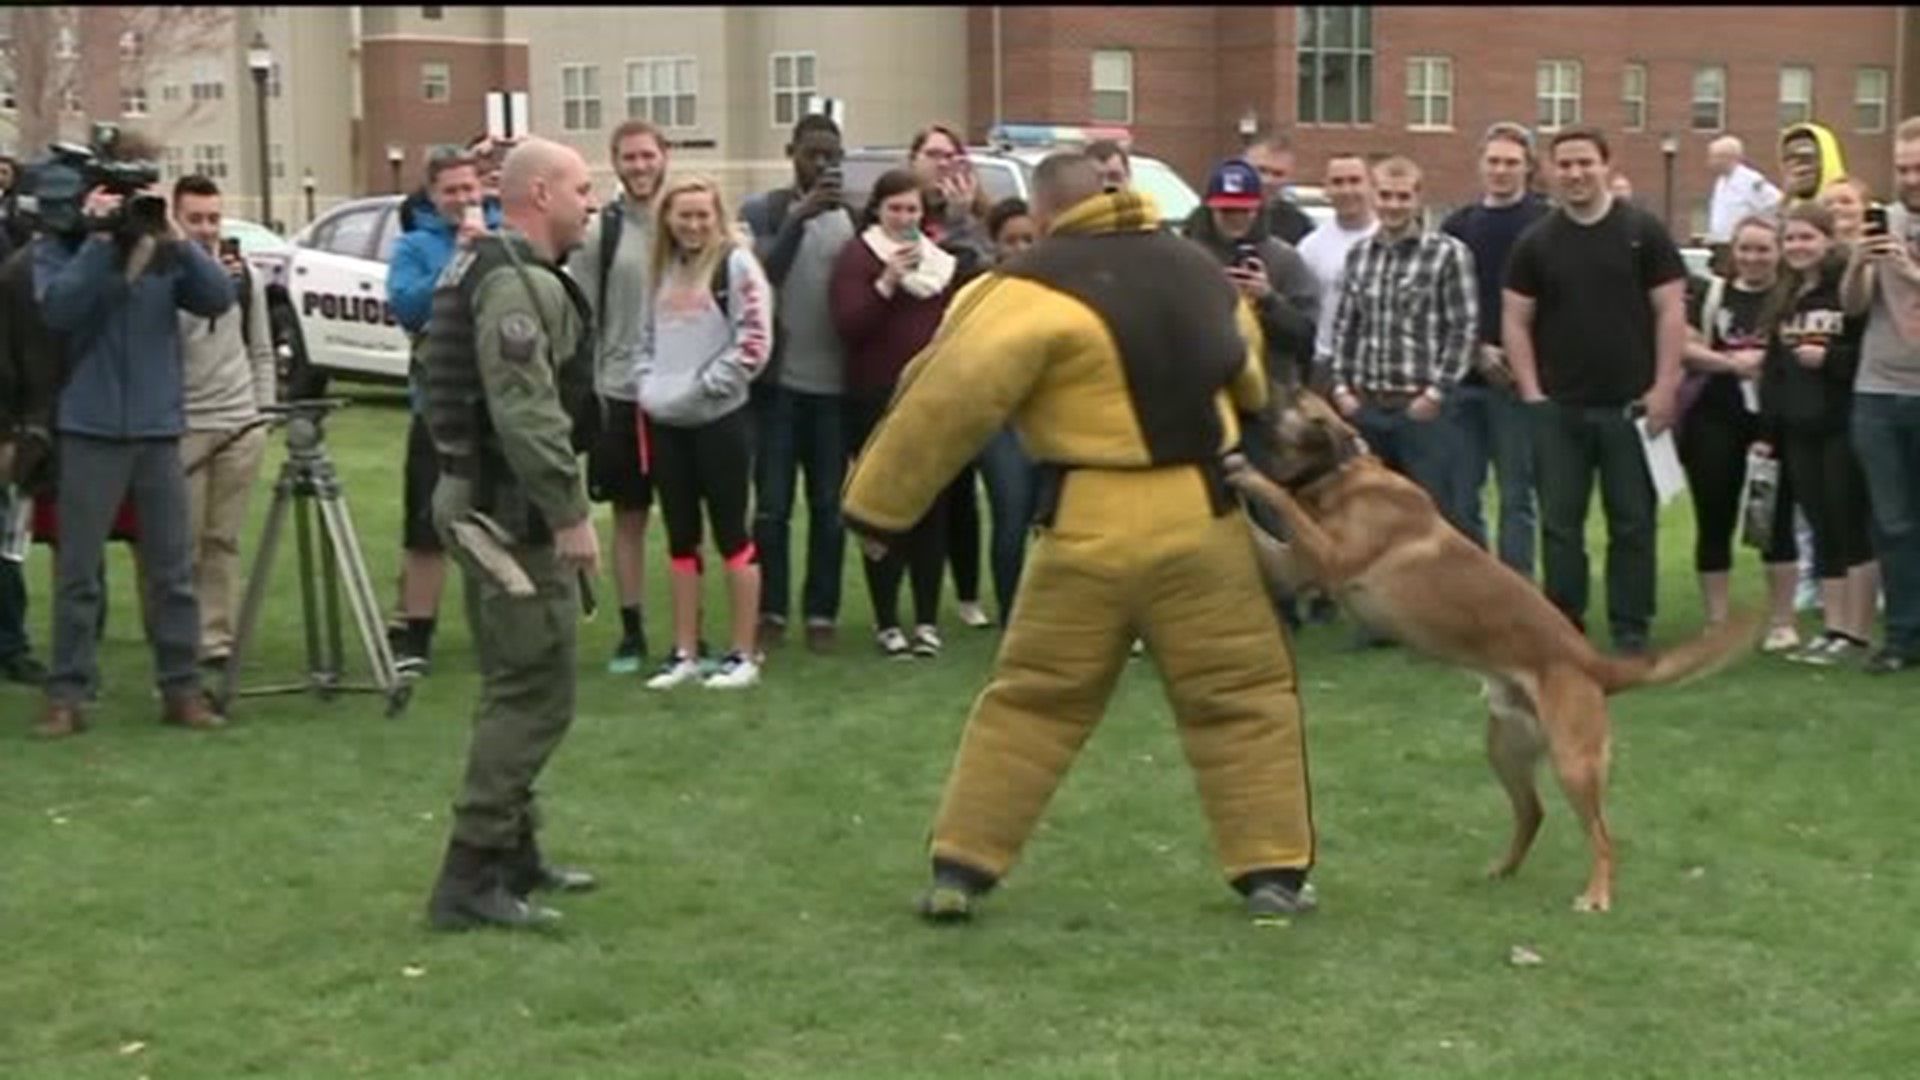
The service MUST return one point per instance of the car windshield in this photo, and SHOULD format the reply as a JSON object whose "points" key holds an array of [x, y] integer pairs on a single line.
{"points": [[253, 237], [1175, 199]]}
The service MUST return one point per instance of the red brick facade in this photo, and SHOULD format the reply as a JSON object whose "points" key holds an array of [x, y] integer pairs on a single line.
{"points": [[398, 114], [1196, 70]]}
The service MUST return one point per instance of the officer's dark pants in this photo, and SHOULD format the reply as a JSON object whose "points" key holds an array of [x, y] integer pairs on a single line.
{"points": [[1570, 444], [525, 648]]}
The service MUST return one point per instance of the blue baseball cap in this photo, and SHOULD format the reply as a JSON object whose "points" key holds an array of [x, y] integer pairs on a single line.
{"points": [[1234, 185]]}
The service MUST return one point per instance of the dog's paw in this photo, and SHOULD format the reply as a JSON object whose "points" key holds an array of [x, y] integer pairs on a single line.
{"points": [[1585, 904]]}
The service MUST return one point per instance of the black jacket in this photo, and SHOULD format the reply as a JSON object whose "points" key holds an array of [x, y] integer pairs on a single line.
{"points": [[32, 368], [1795, 397]]}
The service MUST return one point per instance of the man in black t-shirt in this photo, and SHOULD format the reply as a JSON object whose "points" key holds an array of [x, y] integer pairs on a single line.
{"points": [[1594, 322]]}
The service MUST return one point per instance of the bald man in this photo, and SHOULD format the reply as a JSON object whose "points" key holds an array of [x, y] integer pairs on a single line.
{"points": [[1122, 358], [509, 401], [1739, 190]]}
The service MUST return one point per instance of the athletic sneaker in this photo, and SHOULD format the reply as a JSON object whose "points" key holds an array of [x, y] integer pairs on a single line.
{"points": [[926, 642], [894, 643], [737, 671], [678, 669], [973, 615], [1830, 649], [627, 657], [1781, 639]]}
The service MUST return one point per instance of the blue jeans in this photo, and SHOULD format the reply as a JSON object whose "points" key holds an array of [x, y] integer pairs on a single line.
{"points": [[1012, 480], [1886, 438], [799, 431], [13, 596], [1491, 428], [1421, 450]]}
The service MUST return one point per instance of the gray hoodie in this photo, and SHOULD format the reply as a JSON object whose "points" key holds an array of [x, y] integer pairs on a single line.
{"points": [[228, 378], [695, 363]]}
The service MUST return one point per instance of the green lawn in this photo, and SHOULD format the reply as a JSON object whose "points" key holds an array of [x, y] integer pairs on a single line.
{"points": [[249, 903]]}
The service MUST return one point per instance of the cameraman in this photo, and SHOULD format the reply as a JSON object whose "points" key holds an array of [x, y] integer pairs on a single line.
{"points": [[116, 299]]}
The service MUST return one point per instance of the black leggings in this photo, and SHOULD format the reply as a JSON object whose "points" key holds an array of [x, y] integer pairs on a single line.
{"points": [[963, 535], [708, 464], [923, 553], [1713, 449], [1832, 491]]}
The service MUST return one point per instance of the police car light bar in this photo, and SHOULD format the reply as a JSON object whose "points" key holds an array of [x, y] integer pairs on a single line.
{"points": [[1017, 135]]}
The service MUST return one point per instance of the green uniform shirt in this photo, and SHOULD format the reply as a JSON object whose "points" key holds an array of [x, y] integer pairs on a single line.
{"points": [[522, 338]]}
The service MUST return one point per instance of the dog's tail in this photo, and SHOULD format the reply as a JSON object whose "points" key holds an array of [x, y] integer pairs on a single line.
{"points": [[1702, 656]]}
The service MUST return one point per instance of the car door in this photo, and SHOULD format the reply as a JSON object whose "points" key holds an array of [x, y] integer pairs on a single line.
{"points": [[339, 292]]}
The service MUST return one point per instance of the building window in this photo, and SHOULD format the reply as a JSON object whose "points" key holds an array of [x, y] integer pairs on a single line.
{"points": [[133, 101], [277, 161], [1633, 97], [436, 82], [8, 101], [210, 161], [1430, 93], [70, 101], [1796, 95], [173, 162], [170, 92], [66, 44], [1112, 86], [1556, 93], [432, 13], [663, 89], [207, 84], [1870, 99], [273, 80], [1334, 51], [579, 97], [1709, 99], [132, 45], [795, 79]]}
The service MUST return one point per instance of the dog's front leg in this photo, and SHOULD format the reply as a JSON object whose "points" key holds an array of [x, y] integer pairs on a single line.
{"points": [[1309, 543], [1281, 568]]}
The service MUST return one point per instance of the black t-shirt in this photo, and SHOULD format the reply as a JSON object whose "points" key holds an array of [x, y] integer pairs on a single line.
{"points": [[1593, 325], [1734, 328]]}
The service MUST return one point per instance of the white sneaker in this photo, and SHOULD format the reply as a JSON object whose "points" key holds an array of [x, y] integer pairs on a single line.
{"points": [[975, 616], [894, 643], [678, 669], [737, 671], [926, 642], [1781, 639]]}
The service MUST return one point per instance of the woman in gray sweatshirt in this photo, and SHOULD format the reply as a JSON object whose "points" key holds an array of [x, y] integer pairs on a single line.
{"points": [[706, 339]]}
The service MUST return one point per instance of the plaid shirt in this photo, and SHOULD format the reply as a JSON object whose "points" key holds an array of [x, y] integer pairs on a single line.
{"points": [[1408, 315]]}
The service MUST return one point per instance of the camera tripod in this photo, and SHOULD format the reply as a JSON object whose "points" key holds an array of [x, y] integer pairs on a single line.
{"points": [[307, 480]]}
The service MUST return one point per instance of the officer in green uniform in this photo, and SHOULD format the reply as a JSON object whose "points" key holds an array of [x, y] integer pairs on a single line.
{"points": [[508, 374]]}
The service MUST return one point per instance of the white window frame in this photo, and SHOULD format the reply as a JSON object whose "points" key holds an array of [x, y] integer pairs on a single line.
{"points": [[1312, 56], [206, 85], [663, 80], [71, 103], [210, 160], [1115, 84], [1633, 98], [173, 161], [1557, 105], [1695, 101], [170, 92], [134, 103], [133, 44], [1425, 92], [795, 93], [1860, 78], [436, 73], [273, 80], [1802, 108], [277, 161], [580, 108]]}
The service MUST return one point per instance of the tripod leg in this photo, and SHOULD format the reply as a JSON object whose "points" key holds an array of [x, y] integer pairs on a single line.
{"points": [[330, 585], [361, 598], [320, 677], [258, 579]]}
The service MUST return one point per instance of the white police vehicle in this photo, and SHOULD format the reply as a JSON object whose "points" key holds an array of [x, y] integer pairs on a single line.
{"points": [[328, 293]]}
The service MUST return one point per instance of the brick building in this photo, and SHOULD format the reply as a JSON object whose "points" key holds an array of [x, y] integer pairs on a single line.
{"points": [[1425, 81]]}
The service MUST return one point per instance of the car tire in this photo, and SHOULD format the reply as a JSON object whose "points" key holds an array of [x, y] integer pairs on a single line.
{"points": [[299, 379]]}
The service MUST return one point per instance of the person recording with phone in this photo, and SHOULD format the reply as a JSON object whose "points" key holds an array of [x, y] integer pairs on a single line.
{"points": [[115, 298], [230, 377]]}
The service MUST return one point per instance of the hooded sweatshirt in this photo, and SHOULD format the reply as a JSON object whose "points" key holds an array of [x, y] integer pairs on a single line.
{"points": [[1799, 398], [695, 362], [1832, 167], [123, 338]]}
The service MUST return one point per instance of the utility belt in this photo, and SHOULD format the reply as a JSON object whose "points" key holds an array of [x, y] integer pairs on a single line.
{"points": [[498, 495], [1052, 479]]}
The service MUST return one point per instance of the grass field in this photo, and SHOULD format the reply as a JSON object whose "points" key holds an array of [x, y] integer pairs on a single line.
{"points": [[249, 903]]}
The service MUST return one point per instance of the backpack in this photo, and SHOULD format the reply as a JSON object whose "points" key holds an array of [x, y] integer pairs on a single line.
{"points": [[612, 218], [244, 289]]}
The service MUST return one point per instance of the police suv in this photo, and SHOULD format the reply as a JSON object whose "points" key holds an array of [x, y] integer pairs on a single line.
{"points": [[329, 299]]}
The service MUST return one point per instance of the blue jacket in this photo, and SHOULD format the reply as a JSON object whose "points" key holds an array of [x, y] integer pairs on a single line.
{"points": [[123, 340], [423, 250]]}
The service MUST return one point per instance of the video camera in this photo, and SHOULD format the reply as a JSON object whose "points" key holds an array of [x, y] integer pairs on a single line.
{"points": [[54, 190]]}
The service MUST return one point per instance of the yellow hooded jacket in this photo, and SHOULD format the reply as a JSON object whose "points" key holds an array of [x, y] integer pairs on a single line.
{"points": [[1112, 345], [1832, 167]]}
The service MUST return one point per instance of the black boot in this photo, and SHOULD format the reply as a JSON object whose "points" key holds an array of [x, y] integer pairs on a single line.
{"points": [[955, 888], [472, 893], [527, 872], [1275, 895]]}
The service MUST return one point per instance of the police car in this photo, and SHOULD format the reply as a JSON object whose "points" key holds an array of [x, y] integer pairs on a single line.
{"points": [[1005, 168], [329, 299]]}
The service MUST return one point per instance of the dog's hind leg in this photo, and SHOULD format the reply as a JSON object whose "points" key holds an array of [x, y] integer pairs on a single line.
{"points": [[1514, 746], [1573, 709]]}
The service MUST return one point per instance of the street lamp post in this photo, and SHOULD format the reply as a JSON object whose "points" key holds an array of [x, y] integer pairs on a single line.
{"points": [[260, 62], [395, 157], [1669, 150], [307, 185]]}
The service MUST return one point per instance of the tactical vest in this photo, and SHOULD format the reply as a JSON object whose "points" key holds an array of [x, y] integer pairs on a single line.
{"points": [[454, 400]]}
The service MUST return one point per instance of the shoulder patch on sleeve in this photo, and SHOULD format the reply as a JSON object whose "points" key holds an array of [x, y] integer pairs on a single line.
{"points": [[519, 333]]}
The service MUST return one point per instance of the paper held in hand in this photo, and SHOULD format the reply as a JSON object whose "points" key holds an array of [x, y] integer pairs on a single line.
{"points": [[1663, 462]]}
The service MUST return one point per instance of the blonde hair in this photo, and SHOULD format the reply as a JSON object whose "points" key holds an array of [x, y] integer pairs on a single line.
{"points": [[666, 250], [1859, 186]]}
